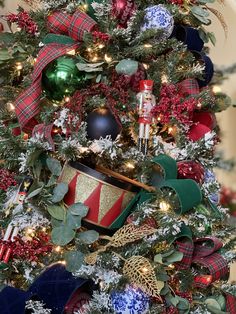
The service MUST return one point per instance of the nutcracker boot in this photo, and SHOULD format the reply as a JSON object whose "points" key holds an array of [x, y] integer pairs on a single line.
{"points": [[145, 148], [140, 144]]}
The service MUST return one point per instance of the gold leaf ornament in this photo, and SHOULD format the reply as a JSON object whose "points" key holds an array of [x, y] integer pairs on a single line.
{"points": [[125, 235], [141, 273]]}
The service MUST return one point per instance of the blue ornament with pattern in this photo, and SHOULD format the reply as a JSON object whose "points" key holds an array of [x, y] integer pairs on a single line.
{"points": [[158, 17], [130, 301]]}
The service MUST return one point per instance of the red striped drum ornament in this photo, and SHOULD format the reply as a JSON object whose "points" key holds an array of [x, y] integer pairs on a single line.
{"points": [[108, 198]]}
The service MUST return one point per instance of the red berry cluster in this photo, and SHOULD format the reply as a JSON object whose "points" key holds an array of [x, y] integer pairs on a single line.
{"points": [[24, 21], [99, 36], [7, 179], [173, 105], [31, 250]]}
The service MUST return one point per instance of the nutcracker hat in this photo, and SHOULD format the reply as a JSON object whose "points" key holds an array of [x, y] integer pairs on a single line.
{"points": [[146, 85]]}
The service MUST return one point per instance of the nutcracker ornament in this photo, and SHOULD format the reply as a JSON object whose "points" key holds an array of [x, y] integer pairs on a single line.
{"points": [[5, 248], [146, 101]]}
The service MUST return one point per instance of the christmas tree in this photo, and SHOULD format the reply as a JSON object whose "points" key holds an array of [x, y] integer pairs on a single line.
{"points": [[109, 202]]}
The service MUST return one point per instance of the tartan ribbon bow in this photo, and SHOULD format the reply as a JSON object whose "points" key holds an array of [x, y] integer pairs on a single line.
{"points": [[28, 103], [73, 25], [203, 252], [189, 87]]}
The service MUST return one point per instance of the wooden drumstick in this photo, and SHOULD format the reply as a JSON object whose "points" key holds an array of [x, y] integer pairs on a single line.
{"points": [[123, 178]]}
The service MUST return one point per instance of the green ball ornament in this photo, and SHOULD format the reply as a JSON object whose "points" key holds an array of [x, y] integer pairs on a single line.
{"points": [[62, 78]]}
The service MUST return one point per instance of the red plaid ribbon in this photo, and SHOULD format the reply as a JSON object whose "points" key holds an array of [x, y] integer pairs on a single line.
{"points": [[231, 303], [46, 132], [75, 26], [189, 87], [27, 104], [187, 249], [216, 264], [206, 246]]}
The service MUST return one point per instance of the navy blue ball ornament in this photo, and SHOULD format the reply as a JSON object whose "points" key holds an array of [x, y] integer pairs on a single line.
{"points": [[158, 17], [101, 123], [131, 300]]}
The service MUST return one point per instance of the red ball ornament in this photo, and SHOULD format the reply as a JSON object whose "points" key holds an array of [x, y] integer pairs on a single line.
{"points": [[123, 10], [191, 170]]}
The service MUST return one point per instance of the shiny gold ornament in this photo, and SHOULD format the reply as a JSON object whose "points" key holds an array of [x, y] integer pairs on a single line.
{"points": [[141, 273], [127, 234]]}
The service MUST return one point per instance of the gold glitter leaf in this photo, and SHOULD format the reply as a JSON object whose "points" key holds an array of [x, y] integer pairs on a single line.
{"points": [[127, 234], [141, 273], [130, 233]]}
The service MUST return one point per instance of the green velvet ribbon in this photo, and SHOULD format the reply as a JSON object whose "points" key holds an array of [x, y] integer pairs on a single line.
{"points": [[168, 169], [185, 233], [59, 39], [187, 191]]}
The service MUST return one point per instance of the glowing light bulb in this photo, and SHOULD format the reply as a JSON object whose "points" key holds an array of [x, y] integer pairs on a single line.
{"points": [[10, 107], [71, 52], [146, 66], [67, 99], [170, 130], [148, 46], [145, 270], [159, 118], [216, 89], [164, 206], [100, 46], [164, 79], [199, 105], [89, 49], [58, 249], [44, 229], [95, 58], [19, 66], [107, 58], [130, 165]]}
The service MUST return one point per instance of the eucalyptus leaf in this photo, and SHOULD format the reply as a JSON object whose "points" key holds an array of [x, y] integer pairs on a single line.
{"points": [[54, 166], [59, 192], [168, 253], [174, 257], [98, 78], [56, 223], [158, 259], [4, 55], [79, 209], [88, 237], [165, 290], [56, 212], [90, 67], [62, 235], [127, 67], [174, 300], [222, 302], [74, 260], [199, 11], [73, 222], [35, 192], [212, 38], [7, 38], [212, 303], [183, 304]]}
